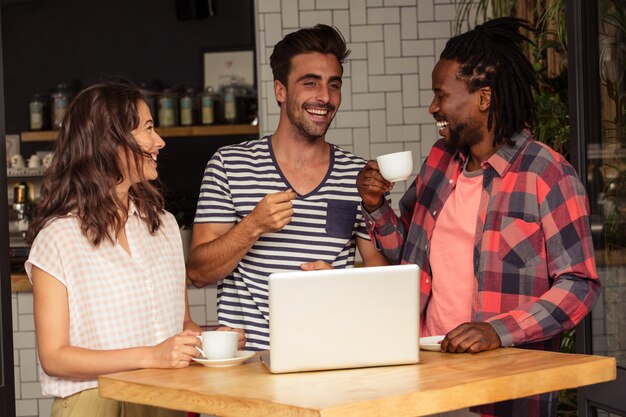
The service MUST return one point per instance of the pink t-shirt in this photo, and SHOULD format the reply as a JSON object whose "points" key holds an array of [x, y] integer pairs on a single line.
{"points": [[452, 257]]}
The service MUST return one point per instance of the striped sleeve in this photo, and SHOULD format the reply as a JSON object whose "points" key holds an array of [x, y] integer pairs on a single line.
{"points": [[215, 203]]}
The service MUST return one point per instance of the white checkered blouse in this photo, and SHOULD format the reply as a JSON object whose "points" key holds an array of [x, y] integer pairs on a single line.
{"points": [[115, 300]]}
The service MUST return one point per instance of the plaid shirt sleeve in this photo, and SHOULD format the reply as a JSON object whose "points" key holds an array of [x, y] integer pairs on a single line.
{"points": [[387, 231], [395, 236], [564, 211]]}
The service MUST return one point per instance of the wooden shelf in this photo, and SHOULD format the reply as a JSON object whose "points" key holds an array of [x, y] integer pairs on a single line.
{"points": [[39, 136], [20, 282], [166, 132], [212, 130]]}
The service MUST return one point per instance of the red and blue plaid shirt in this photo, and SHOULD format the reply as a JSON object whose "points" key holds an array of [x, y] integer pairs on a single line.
{"points": [[533, 254]]}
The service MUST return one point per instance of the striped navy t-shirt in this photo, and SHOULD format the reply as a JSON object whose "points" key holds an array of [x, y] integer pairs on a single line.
{"points": [[324, 226]]}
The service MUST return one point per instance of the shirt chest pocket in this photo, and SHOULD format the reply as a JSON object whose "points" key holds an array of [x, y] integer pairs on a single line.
{"points": [[340, 218], [521, 243]]}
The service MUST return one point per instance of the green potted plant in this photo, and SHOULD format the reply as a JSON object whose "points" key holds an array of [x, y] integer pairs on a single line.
{"points": [[613, 169]]}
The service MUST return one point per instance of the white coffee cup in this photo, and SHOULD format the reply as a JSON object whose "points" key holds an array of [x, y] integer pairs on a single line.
{"points": [[17, 161], [219, 344], [34, 161], [396, 166]]}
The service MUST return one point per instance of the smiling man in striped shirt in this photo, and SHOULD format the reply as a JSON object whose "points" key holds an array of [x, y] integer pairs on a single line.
{"points": [[284, 202], [498, 223]]}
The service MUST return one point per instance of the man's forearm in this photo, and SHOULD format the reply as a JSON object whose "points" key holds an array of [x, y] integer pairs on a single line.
{"points": [[562, 307], [388, 236], [212, 261]]}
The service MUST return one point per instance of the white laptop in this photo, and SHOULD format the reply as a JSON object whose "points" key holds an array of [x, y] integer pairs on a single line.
{"points": [[343, 318]]}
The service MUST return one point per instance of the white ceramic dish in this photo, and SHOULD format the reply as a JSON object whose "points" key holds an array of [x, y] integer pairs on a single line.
{"points": [[431, 343], [241, 357]]}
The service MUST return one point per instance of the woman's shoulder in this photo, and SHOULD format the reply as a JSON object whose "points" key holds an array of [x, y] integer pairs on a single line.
{"points": [[66, 224], [168, 217], [168, 220], [58, 232]]}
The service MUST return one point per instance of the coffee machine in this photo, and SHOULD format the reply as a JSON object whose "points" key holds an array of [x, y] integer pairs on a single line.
{"points": [[20, 211], [21, 208]]}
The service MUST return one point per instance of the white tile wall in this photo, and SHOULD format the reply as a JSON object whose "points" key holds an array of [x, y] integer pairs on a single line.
{"points": [[387, 89], [386, 95]]}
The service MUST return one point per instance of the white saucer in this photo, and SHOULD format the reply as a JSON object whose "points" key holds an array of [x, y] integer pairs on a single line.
{"points": [[431, 343], [242, 356]]}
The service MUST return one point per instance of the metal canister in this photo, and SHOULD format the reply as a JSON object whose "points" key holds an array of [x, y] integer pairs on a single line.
{"points": [[20, 193], [21, 199]]}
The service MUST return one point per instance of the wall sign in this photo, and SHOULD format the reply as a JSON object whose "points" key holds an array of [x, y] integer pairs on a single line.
{"points": [[219, 67]]}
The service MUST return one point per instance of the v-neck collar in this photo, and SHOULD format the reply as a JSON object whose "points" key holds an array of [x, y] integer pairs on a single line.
{"points": [[331, 149]]}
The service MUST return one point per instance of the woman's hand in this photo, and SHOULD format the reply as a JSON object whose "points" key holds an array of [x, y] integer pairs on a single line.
{"points": [[175, 352]]}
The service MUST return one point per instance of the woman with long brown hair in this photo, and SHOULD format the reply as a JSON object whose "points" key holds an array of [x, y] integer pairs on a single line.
{"points": [[106, 261]]}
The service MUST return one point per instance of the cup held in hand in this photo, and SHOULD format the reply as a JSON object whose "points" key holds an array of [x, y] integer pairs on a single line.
{"points": [[200, 350], [218, 344], [396, 166]]}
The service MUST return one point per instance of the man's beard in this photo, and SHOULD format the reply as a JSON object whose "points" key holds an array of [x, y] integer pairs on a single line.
{"points": [[304, 129], [463, 137]]}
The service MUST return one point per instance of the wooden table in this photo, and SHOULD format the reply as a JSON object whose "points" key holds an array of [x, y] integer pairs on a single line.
{"points": [[440, 382]]}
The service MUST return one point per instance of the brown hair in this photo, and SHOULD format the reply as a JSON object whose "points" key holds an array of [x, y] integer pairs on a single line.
{"points": [[320, 38], [86, 167]]}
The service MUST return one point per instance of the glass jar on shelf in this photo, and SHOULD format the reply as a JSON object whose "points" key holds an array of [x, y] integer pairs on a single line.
{"points": [[188, 105], [38, 113], [209, 105], [252, 106], [238, 100], [167, 109], [244, 98], [229, 104], [59, 100]]}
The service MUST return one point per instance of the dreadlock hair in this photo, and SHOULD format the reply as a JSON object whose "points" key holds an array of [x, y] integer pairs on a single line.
{"points": [[490, 56], [320, 38]]}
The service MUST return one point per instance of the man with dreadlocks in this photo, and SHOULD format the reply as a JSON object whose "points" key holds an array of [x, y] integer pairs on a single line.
{"points": [[497, 222]]}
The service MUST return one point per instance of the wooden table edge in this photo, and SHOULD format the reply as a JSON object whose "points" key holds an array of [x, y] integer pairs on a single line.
{"points": [[419, 403], [200, 402], [424, 403]]}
